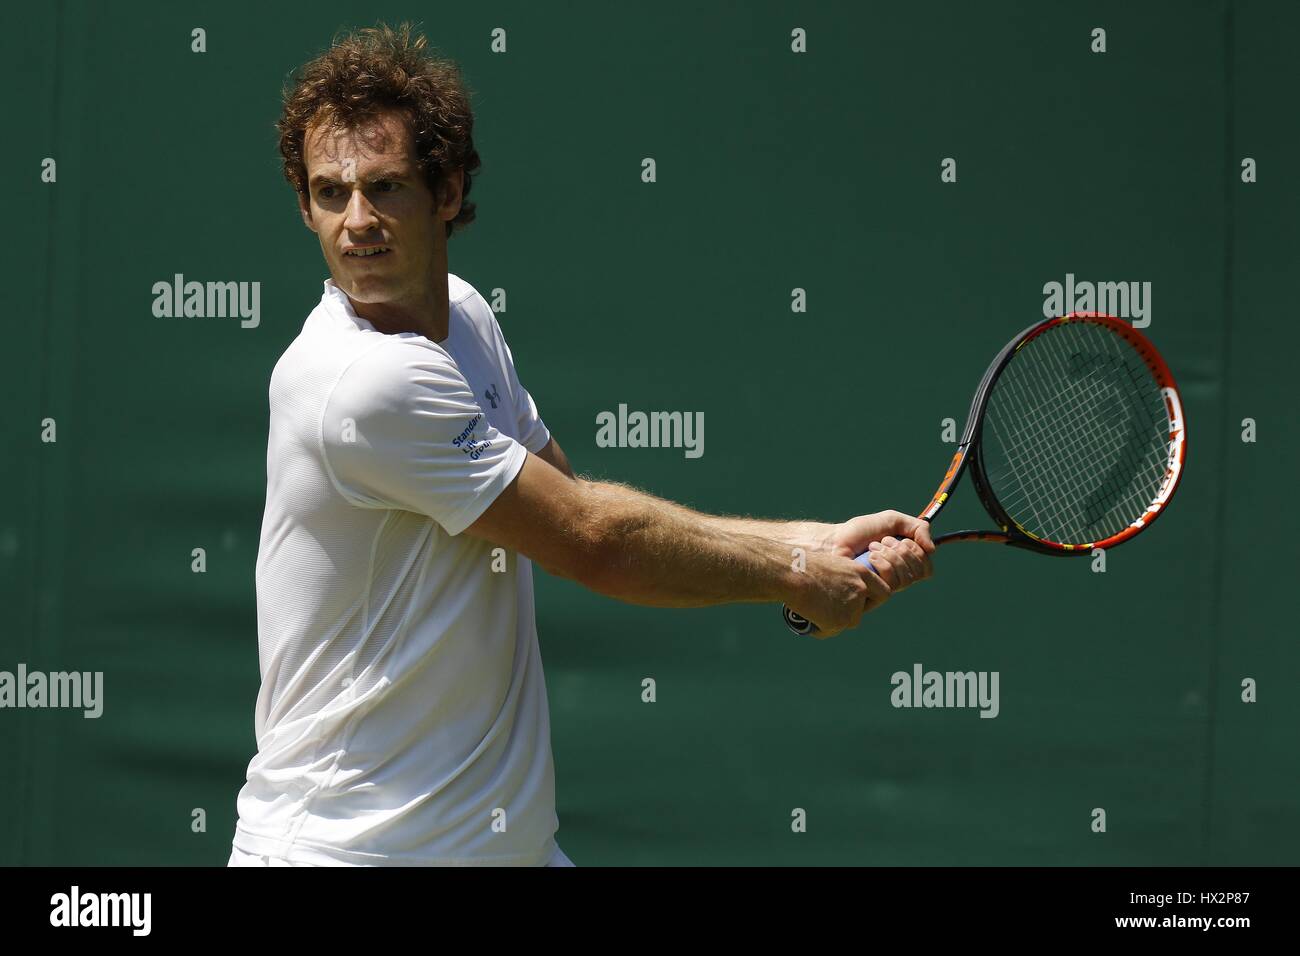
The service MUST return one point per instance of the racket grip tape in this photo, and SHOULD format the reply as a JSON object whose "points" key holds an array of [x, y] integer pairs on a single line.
{"points": [[800, 624]]}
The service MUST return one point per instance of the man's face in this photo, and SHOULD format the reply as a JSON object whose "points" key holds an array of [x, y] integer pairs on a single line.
{"points": [[379, 226]]}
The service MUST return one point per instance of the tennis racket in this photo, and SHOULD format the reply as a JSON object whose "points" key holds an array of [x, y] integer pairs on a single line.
{"points": [[1075, 440]]}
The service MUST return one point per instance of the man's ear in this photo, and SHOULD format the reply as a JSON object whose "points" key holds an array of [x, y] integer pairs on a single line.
{"points": [[305, 209], [450, 194]]}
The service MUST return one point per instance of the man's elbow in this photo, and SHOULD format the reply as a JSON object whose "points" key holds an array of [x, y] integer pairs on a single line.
{"points": [[593, 555], [574, 564], [587, 562]]}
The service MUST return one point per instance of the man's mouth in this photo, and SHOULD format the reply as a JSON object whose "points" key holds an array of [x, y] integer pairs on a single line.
{"points": [[366, 251]]}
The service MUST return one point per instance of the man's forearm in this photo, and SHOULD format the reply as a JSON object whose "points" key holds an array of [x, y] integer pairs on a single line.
{"points": [[656, 552], [808, 535]]}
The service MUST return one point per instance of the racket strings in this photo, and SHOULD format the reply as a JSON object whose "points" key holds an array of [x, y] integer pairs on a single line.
{"points": [[1080, 435], [1083, 473], [1095, 399], [1088, 481], [1039, 474], [1043, 474], [1064, 471]]}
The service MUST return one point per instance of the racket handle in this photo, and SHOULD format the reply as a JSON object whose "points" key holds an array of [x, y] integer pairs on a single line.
{"points": [[800, 624]]}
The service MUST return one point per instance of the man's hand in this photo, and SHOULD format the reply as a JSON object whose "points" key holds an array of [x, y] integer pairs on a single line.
{"points": [[900, 563], [899, 547], [855, 535], [834, 591]]}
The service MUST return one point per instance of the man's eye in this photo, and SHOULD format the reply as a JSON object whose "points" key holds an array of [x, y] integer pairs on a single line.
{"points": [[386, 186], [325, 192]]}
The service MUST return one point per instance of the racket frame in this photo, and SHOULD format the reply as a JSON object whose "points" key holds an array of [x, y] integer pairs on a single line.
{"points": [[969, 448]]}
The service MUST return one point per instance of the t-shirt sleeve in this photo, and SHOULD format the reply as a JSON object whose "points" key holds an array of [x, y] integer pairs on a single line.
{"points": [[533, 433], [402, 429]]}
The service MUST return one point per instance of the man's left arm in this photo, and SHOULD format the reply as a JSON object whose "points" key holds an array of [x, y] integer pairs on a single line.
{"points": [[848, 539]]}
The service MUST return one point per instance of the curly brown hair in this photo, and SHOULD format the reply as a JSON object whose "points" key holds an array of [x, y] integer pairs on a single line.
{"points": [[369, 72]]}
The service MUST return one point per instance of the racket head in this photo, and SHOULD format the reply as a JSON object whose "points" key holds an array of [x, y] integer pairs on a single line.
{"points": [[1077, 438]]}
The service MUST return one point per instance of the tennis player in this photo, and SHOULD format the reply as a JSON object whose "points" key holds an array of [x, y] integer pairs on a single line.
{"points": [[402, 717]]}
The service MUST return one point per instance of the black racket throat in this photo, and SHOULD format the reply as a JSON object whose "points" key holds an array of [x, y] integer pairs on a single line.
{"points": [[969, 449]]}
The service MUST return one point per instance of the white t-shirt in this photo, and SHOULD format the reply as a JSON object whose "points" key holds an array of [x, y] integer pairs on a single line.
{"points": [[402, 717]]}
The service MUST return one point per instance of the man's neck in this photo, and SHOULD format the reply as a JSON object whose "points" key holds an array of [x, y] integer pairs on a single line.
{"points": [[427, 314]]}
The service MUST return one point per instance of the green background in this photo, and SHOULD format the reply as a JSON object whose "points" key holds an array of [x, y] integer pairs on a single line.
{"points": [[776, 171]]}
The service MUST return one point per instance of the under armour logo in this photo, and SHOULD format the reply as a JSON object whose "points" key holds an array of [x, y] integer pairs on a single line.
{"points": [[492, 395]]}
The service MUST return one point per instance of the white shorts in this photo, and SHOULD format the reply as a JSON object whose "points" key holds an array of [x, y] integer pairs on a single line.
{"points": [[239, 858]]}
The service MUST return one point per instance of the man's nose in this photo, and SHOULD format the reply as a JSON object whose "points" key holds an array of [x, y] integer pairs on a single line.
{"points": [[361, 215]]}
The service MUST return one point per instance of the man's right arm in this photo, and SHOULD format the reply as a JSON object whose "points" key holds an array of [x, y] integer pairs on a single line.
{"points": [[633, 547]]}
